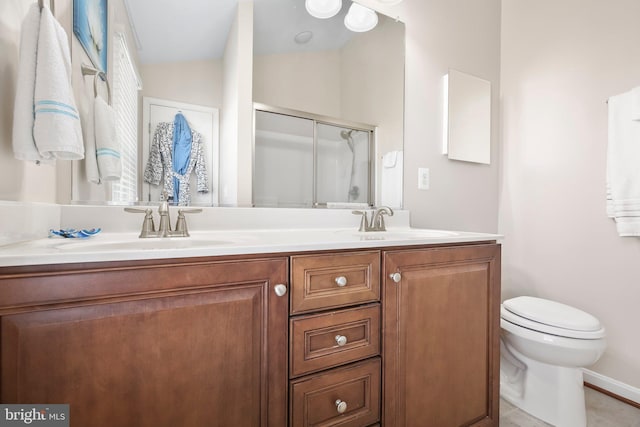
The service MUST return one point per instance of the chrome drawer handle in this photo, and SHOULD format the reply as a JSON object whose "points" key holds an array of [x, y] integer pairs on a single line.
{"points": [[396, 277], [341, 281], [280, 289], [341, 406], [341, 340]]}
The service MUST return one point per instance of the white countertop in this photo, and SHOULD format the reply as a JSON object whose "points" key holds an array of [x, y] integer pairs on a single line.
{"points": [[214, 232], [127, 246]]}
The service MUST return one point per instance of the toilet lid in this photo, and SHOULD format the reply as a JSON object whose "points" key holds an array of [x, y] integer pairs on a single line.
{"points": [[552, 313]]}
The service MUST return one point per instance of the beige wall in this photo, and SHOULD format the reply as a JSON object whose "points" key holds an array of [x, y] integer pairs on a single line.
{"points": [[373, 86], [305, 81], [443, 34], [193, 82], [560, 62]]}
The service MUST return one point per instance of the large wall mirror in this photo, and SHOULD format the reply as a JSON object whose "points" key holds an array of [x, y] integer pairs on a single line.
{"points": [[194, 52]]}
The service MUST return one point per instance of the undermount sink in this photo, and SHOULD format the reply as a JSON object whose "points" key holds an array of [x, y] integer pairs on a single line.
{"points": [[164, 243]]}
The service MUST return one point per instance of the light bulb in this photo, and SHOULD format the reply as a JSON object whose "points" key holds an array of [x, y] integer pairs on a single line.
{"points": [[323, 9], [360, 19]]}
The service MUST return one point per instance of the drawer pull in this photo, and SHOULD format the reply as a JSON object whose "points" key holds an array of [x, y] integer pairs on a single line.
{"points": [[341, 281], [341, 340], [280, 289], [396, 277], [341, 406]]}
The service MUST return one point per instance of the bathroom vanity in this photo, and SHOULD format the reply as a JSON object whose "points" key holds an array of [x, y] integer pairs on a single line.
{"points": [[354, 332]]}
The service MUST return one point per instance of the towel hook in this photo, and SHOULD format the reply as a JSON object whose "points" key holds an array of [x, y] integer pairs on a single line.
{"points": [[90, 71], [52, 6]]}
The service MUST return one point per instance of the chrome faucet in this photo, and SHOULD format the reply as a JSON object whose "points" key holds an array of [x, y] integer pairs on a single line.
{"points": [[377, 219], [164, 228]]}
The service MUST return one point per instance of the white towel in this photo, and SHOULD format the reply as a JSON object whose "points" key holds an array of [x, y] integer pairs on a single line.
{"points": [[24, 146], [107, 146], [57, 130], [391, 191], [635, 103], [88, 131], [623, 158]]}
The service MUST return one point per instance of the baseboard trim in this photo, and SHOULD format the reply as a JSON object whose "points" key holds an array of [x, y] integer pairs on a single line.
{"points": [[614, 388]]}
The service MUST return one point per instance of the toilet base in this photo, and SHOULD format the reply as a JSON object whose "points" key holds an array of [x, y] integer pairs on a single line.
{"points": [[554, 394]]}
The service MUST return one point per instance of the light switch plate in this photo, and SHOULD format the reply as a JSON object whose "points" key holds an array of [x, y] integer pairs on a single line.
{"points": [[423, 179]]}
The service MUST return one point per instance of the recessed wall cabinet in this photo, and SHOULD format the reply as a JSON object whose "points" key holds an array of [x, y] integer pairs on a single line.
{"points": [[359, 338]]}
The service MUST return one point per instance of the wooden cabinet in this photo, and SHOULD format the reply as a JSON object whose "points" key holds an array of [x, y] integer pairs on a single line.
{"points": [[402, 337], [441, 336], [177, 344], [345, 397], [337, 351]]}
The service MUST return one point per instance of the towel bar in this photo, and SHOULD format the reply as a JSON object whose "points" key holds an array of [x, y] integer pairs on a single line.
{"points": [[52, 6], [87, 70]]}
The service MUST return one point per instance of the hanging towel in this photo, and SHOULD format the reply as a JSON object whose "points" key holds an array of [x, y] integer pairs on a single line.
{"points": [[89, 134], [181, 150], [635, 103], [623, 158], [57, 130], [107, 147], [24, 146], [391, 191]]}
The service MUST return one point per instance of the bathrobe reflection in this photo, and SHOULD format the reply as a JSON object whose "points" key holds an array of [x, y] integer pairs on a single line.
{"points": [[160, 164]]}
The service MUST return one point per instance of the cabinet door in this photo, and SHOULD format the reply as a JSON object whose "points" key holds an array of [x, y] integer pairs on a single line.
{"points": [[441, 337], [211, 356]]}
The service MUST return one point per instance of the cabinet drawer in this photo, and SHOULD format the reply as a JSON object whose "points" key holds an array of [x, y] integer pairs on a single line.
{"points": [[335, 280], [326, 340], [315, 399]]}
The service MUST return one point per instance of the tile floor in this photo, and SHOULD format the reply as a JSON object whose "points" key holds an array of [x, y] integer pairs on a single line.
{"points": [[602, 411]]}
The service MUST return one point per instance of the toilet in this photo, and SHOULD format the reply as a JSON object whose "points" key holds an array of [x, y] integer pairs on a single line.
{"points": [[543, 347]]}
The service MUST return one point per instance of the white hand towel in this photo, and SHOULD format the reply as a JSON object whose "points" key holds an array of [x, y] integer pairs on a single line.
{"points": [[107, 146], [24, 146], [391, 189], [88, 131], [57, 130], [623, 173]]}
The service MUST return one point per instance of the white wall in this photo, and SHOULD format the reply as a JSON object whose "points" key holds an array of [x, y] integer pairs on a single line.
{"points": [[560, 62]]}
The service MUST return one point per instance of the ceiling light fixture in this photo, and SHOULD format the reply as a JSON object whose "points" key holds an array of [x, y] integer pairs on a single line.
{"points": [[323, 9], [360, 19]]}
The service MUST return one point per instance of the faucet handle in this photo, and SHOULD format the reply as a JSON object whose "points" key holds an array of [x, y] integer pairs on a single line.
{"points": [[148, 227], [364, 226], [181, 222]]}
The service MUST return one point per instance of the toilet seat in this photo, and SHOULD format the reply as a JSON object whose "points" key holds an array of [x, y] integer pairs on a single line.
{"points": [[551, 317]]}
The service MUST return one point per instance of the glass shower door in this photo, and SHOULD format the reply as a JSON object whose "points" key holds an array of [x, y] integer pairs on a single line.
{"points": [[283, 161], [343, 164]]}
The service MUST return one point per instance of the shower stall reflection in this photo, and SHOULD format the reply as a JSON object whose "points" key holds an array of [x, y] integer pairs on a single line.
{"points": [[304, 160]]}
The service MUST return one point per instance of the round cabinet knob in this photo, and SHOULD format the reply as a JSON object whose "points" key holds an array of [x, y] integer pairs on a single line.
{"points": [[341, 340], [341, 281], [341, 406], [396, 277], [280, 289]]}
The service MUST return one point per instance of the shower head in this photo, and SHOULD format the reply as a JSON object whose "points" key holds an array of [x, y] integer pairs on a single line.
{"points": [[346, 135]]}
